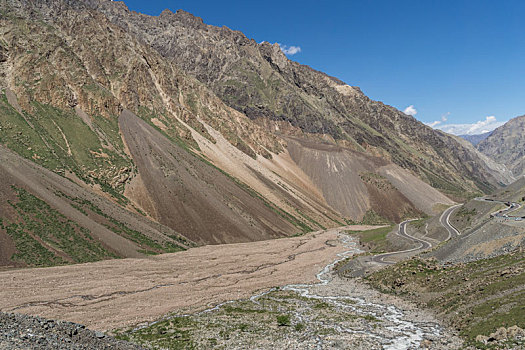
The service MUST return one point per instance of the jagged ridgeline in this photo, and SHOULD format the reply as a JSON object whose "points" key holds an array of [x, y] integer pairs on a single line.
{"points": [[144, 135]]}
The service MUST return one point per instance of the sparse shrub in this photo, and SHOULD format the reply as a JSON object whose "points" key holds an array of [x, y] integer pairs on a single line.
{"points": [[299, 327], [283, 321]]}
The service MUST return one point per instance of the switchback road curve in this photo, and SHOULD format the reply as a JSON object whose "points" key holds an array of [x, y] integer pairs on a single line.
{"points": [[444, 220]]}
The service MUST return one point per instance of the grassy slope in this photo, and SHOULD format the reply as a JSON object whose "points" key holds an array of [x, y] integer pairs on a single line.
{"points": [[375, 239], [44, 237], [476, 298], [60, 141]]}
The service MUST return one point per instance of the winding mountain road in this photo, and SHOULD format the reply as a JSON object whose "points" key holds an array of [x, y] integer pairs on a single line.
{"points": [[511, 207], [444, 220], [402, 232]]}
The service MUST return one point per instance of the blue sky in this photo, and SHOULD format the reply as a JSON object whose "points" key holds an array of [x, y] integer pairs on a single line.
{"points": [[460, 64]]}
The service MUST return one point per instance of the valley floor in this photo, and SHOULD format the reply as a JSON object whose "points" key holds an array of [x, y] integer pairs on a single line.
{"points": [[135, 295], [117, 293], [333, 313]]}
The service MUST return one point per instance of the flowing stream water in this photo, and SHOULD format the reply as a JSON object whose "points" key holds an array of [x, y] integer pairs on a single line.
{"points": [[394, 330], [404, 334]]}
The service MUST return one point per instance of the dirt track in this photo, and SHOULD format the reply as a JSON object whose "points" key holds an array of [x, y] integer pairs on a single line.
{"points": [[116, 293]]}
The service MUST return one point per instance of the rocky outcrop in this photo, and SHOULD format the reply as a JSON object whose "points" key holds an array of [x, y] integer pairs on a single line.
{"points": [[502, 335], [31, 332]]}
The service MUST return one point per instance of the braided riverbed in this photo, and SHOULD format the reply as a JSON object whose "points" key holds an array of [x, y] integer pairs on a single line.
{"points": [[331, 313]]}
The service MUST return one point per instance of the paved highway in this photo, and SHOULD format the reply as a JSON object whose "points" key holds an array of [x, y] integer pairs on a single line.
{"points": [[444, 220], [511, 206], [423, 245]]}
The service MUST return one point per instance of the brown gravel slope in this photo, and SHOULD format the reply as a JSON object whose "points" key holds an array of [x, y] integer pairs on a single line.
{"points": [[196, 198], [117, 293], [354, 182]]}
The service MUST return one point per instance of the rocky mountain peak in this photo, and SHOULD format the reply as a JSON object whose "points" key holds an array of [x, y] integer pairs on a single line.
{"points": [[506, 145], [274, 55], [185, 18]]}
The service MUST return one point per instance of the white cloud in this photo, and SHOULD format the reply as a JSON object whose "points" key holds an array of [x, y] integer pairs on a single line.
{"points": [[444, 118], [481, 126], [290, 50], [410, 110], [434, 123]]}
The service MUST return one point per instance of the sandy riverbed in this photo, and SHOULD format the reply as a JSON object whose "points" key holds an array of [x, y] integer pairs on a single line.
{"points": [[118, 293]]}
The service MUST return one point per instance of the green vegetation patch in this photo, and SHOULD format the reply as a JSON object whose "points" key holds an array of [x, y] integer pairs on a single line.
{"points": [[379, 181], [284, 321], [373, 218], [60, 141], [476, 298], [45, 237], [375, 239], [174, 333], [150, 246], [464, 213]]}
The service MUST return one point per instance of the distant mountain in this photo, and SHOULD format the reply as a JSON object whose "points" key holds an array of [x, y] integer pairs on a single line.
{"points": [[475, 139], [506, 145]]}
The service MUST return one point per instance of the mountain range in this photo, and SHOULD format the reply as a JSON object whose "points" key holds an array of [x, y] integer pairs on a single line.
{"points": [[475, 139], [145, 135]]}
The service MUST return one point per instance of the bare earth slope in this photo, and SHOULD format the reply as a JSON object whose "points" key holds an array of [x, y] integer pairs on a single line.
{"points": [[355, 183], [183, 187]]}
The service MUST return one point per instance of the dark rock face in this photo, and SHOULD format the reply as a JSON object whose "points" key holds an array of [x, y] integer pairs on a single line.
{"points": [[29, 332], [259, 80]]}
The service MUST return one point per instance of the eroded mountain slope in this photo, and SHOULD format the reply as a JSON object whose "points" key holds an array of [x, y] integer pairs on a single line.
{"points": [[182, 188], [286, 97], [49, 220]]}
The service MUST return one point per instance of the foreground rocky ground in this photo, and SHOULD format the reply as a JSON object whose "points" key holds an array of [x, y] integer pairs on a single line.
{"points": [[337, 316], [30, 332], [483, 300]]}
